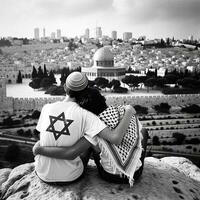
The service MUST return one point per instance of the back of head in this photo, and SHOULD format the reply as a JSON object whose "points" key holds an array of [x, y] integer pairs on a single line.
{"points": [[75, 84], [92, 100]]}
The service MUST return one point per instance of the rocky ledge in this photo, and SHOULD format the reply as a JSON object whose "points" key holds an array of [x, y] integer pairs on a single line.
{"points": [[170, 178]]}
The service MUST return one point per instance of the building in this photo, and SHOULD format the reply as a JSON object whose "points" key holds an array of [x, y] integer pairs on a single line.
{"points": [[58, 31], [37, 33], [87, 33], [127, 36], [44, 32], [53, 35], [98, 32], [114, 35], [103, 66]]}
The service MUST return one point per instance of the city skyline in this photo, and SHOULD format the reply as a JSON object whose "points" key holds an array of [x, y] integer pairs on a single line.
{"points": [[152, 18]]}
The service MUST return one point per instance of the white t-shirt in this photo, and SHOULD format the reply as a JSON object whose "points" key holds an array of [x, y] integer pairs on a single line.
{"points": [[63, 124]]}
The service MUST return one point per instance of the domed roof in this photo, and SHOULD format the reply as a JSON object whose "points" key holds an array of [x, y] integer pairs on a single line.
{"points": [[103, 54]]}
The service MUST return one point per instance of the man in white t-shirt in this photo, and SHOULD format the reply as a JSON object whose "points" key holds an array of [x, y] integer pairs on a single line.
{"points": [[63, 124]]}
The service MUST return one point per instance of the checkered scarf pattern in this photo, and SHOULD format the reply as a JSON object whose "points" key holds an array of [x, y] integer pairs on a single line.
{"points": [[124, 157]]}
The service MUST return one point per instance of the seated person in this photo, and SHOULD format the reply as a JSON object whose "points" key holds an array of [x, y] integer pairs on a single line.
{"points": [[63, 123], [93, 101]]}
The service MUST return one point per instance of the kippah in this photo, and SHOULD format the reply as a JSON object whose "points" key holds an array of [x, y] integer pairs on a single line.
{"points": [[76, 81]]}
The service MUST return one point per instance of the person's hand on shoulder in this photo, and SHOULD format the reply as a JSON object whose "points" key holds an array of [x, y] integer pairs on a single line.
{"points": [[130, 110], [35, 148]]}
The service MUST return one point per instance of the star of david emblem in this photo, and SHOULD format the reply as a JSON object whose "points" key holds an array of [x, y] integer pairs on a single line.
{"points": [[61, 122]]}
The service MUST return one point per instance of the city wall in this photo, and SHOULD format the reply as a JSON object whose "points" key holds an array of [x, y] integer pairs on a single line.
{"points": [[12, 104]]}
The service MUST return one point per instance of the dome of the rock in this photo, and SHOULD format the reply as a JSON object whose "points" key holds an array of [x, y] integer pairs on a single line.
{"points": [[103, 54]]}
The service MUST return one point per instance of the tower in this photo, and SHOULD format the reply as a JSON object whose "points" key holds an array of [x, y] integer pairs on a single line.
{"points": [[98, 32], [87, 33], [44, 33], [58, 31], [36, 33], [114, 35], [127, 36]]}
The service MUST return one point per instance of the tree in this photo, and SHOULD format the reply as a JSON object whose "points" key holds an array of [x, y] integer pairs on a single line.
{"points": [[131, 81], [8, 121], [140, 109], [64, 74], [179, 137], [40, 73], [115, 83], [45, 83], [35, 83], [45, 72], [52, 77], [19, 77], [35, 114], [34, 73], [156, 140], [162, 108], [101, 82], [149, 83], [191, 109]]}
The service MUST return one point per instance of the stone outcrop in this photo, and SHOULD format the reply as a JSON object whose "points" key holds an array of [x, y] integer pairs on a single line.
{"points": [[167, 178]]}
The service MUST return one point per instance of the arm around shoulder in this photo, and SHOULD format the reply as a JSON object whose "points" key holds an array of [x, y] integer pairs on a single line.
{"points": [[116, 135]]}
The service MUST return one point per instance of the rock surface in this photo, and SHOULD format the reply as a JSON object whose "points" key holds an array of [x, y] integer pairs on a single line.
{"points": [[164, 179]]}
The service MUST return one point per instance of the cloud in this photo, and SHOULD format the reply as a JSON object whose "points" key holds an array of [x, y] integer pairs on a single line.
{"points": [[144, 11], [72, 8]]}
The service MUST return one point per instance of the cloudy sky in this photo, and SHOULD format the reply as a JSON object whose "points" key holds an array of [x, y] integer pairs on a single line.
{"points": [[153, 18]]}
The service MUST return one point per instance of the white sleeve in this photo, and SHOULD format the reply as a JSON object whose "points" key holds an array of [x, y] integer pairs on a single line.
{"points": [[93, 126], [40, 121]]}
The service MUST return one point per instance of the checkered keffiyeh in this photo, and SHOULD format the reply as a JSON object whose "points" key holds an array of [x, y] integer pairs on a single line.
{"points": [[124, 157]]}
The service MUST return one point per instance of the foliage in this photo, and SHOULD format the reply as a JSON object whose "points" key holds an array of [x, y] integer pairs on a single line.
{"points": [[40, 73], [55, 90], [8, 121], [179, 137], [35, 83], [4, 42], [35, 114], [34, 73], [52, 77], [45, 83], [101, 82], [162, 108], [45, 74], [115, 83], [120, 90], [191, 109], [193, 141], [155, 140], [19, 77], [140, 109], [131, 81], [20, 132]]}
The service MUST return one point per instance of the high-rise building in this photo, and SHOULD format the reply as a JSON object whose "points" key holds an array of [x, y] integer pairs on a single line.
{"points": [[36, 33], [53, 35], [191, 38], [127, 36], [58, 31], [44, 33], [114, 35], [98, 32], [87, 33]]}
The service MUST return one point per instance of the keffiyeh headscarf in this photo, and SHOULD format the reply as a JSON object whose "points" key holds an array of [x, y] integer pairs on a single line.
{"points": [[126, 156]]}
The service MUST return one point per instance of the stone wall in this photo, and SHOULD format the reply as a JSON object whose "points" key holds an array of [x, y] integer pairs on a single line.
{"points": [[12, 104]]}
